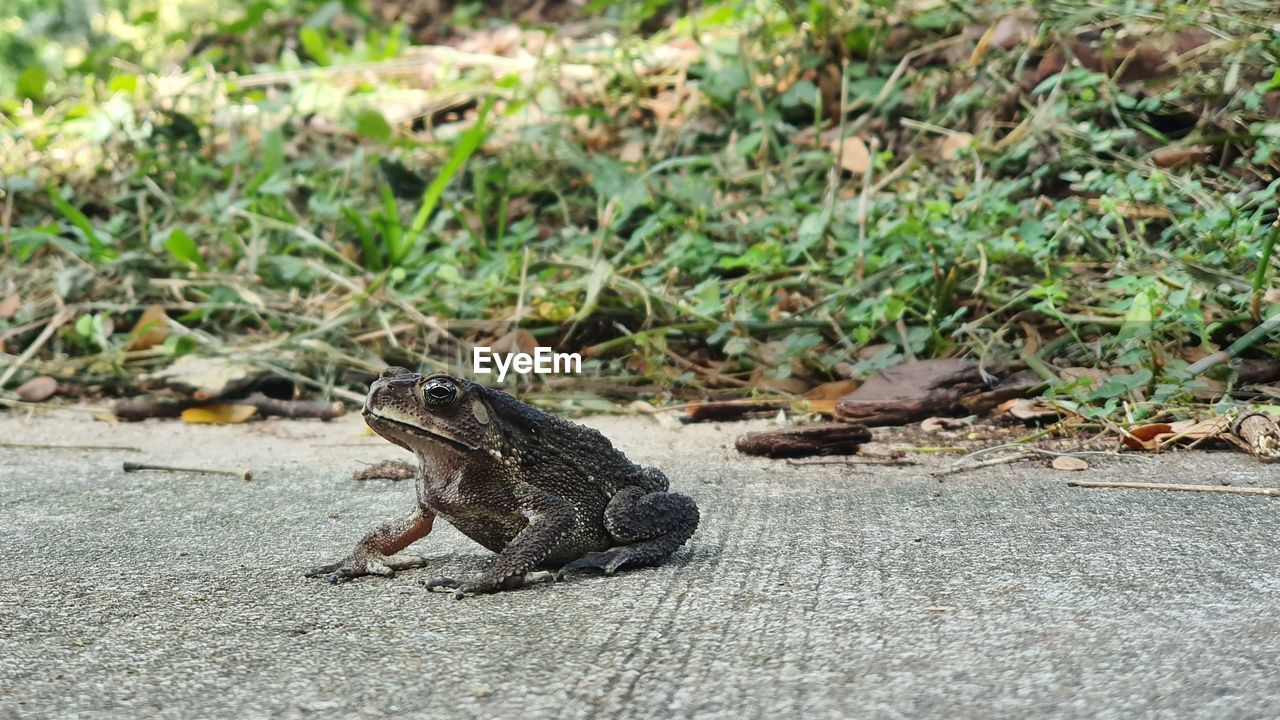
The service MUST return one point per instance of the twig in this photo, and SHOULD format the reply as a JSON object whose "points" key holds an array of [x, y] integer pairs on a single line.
{"points": [[135, 467], [1038, 450], [1274, 492], [1217, 358], [54, 323], [892, 462], [41, 446], [957, 468]]}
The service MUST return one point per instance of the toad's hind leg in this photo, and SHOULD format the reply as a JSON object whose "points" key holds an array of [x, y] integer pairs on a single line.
{"points": [[648, 525]]}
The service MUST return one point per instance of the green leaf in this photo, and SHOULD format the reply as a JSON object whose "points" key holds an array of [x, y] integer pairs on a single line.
{"points": [[123, 83], [183, 248], [179, 345], [31, 82], [371, 125], [1275, 80], [72, 214], [316, 43], [811, 231], [601, 271], [449, 274], [272, 160], [466, 145]]}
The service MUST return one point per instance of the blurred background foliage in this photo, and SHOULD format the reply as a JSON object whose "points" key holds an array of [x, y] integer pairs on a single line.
{"points": [[708, 199]]}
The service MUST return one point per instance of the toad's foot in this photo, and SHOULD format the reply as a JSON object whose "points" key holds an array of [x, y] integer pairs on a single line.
{"points": [[607, 561], [354, 566], [486, 585], [651, 524]]}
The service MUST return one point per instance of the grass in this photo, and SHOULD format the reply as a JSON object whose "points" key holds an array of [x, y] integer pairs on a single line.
{"points": [[306, 185]]}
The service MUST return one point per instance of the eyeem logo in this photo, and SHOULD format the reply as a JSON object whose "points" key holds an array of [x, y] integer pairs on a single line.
{"points": [[543, 361]]}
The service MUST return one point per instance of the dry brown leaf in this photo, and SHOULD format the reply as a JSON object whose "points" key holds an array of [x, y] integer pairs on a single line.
{"points": [[1066, 462], [1134, 211], [1010, 32], [218, 414], [952, 144], [1174, 156], [632, 151], [787, 386], [1031, 345], [206, 377], [9, 306], [1156, 436], [832, 390], [980, 50], [937, 424], [852, 155], [1144, 437], [1026, 409], [38, 388], [823, 406], [151, 329]]}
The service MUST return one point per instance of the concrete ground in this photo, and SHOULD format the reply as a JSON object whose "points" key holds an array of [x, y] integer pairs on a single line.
{"points": [[809, 591]]}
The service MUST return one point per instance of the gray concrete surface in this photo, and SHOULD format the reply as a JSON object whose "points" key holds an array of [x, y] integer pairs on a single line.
{"points": [[808, 591]]}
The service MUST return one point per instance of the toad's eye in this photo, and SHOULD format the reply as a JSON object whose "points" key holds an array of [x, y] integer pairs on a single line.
{"points": [[439, 392]]}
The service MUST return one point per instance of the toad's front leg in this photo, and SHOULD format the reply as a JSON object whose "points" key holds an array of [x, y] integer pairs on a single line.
{"points": [[375, 554], [551, 518]]}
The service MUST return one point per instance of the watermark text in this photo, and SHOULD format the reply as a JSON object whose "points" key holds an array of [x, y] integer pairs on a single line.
{"points": [[543, 361]]}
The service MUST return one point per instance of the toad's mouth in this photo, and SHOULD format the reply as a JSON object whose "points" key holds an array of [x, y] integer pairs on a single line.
{"points": [[388, 421]]}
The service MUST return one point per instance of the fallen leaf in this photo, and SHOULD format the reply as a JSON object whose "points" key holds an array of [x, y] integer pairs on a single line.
{"points": [[1010, 32], [935, 424], [1027, 409], [664, 419], [1134, 211], [984, 44], [1155, 436], [9, 306], [852, 155], [952, 145], [632, 151], [822, 399], [151, 329], [832, 390], [38, 388], [207, 377], [1174, 156], [218, 414], [1143, 436], [1032, 342], [1072, 464]]}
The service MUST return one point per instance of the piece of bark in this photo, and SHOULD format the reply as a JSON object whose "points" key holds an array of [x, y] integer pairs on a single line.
{"points": [[730, 409], [1256, 371], [1019, 385], [295, 408], [141, 408], [911, 391], [837, 438], [1260, 433]]}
